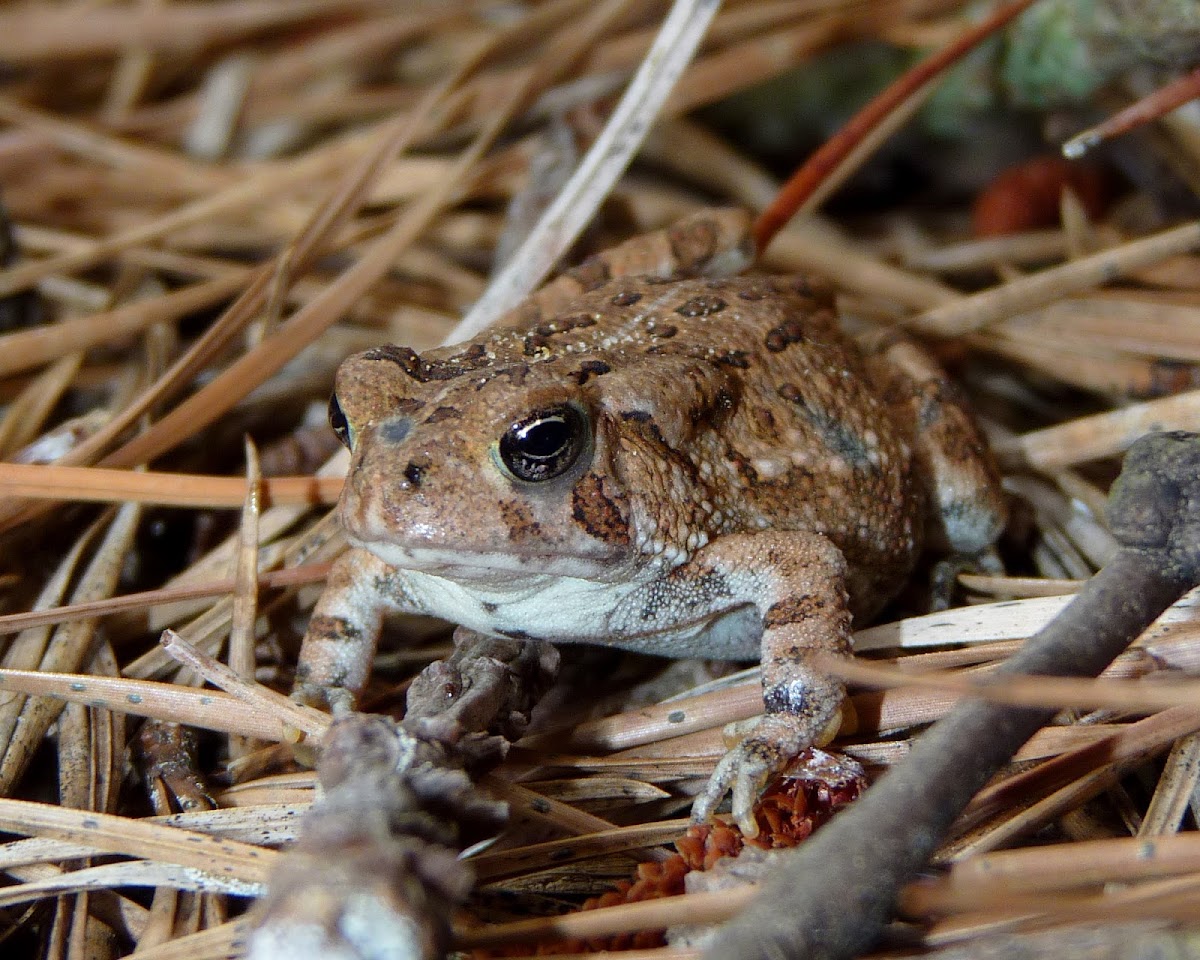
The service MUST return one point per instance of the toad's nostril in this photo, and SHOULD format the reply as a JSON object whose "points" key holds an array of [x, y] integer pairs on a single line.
{"points": [[393, 431], [412, 473]]}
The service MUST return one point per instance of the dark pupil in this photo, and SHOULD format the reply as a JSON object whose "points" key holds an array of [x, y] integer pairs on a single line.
{"points": [[543, 439], [544, 446], [337, 420]]}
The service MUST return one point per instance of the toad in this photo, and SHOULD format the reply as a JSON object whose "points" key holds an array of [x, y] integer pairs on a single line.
{"points": [[686, 467]]}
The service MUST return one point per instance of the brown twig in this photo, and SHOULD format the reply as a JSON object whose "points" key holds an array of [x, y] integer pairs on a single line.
{"points": [[818, 169], [292, 576], [99, 484], [1151, 107], [832, 899]]}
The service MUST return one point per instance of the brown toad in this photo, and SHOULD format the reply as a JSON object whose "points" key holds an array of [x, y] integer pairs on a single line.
{"points": [[687, 468]]}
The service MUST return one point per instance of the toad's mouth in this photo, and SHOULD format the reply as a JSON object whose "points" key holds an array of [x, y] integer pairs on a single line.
{"points": [[475, 564]]}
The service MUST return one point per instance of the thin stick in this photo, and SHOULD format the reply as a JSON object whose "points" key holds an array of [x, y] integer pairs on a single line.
{"points": [[292, 576], [31, 33], [1067, 771], [1151, 107], [493, 866], [627, 918], [1105, 434], [1038, 289], [599, 170], [26, 349], [1062, 866], [100, 485], [1024, 691], [170, 702], [245, 597], [1175, 789], [306, 719]]}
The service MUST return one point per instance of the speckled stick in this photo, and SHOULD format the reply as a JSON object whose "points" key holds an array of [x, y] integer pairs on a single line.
{"points": [[833, 897]]}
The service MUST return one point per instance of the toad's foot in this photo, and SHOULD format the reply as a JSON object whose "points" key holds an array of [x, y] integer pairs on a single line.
{"points": [[767, 746], [943, 578], [336, 700]]}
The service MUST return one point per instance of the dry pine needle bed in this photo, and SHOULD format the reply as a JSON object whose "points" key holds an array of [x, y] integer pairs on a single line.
{"points": [[212, 203]]}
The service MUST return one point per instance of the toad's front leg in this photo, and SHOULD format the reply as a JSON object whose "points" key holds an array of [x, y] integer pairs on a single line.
{"points": [[335, 657], [797, 581]]}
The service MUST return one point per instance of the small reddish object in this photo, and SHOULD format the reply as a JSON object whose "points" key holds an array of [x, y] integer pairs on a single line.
{"points": [[787, 814], [1027, 196]]}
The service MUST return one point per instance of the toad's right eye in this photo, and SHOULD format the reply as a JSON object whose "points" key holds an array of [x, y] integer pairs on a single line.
{"points": [[545, 444], [337, 420]]}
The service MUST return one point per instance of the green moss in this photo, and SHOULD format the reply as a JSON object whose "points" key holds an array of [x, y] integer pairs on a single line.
{"points": [[1048, 58]]}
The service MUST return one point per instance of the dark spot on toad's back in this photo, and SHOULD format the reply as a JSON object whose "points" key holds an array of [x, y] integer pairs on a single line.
{"points": [[564, 324], [781, 337], [837, 436], [535, 343], [404, 357], [423, 370], [702, 306], [733, 358], [725, 401], [576, 321], [626, 298], [591, 368]]}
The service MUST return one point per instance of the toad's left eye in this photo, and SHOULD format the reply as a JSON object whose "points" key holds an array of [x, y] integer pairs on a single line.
{"points": [[545, 444], [338, 421]]}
